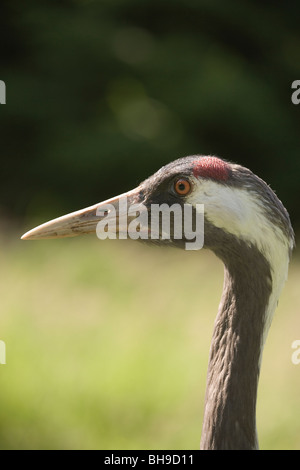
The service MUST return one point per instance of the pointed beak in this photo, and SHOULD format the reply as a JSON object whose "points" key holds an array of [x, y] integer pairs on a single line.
{"points": [[85, 220]]}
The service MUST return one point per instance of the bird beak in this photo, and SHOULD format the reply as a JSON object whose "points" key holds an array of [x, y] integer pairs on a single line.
{"points": [[85, 220]]}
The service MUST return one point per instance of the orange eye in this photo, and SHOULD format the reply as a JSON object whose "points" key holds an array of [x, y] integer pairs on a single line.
{"points": [[182, 187]]}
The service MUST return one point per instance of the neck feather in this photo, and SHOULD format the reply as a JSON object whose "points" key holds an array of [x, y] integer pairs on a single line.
{"points": [[235, 356]]}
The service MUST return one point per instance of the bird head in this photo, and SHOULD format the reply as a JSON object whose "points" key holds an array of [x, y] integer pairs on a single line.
{"points": [[235, 205]]}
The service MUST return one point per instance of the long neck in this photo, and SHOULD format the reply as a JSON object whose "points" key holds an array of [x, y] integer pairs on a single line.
{"points": [[233, 372]]}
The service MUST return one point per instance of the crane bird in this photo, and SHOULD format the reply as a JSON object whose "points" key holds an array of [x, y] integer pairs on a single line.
{"points": [[248, 228]]}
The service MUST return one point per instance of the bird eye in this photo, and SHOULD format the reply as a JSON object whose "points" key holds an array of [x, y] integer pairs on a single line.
{"points": [[182, 187]]}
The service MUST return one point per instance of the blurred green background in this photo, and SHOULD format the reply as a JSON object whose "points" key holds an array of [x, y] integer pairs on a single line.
{"points": [[107, 342]]}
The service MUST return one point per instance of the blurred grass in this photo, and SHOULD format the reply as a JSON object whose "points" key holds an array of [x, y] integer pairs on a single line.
{"points": [[107, 347]]}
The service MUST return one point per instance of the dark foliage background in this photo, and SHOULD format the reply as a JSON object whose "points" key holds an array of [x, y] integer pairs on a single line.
{"points": [[100, 94]]}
